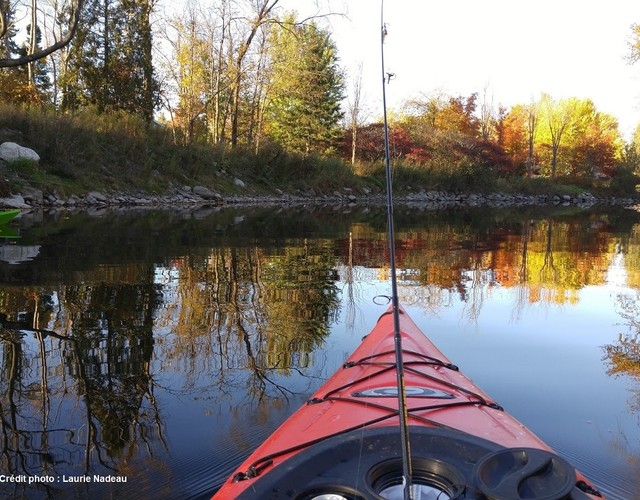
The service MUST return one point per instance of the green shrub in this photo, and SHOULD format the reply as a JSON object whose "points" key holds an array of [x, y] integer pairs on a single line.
{"points": [[625, 183], [24, 164]]}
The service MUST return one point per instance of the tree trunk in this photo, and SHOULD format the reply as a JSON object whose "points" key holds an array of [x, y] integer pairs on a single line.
{"points": [[354, 134], [263, 13], [147, 69], [33, 34]]}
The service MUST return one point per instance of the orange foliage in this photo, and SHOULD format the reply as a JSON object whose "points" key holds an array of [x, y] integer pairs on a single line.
{"points": [[514, 135], [458, 116]]}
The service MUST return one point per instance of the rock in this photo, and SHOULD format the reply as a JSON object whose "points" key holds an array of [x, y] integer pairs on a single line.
{"points": [[205, 192], [10, 151], [74, 201], [32, 196], [96, 198], [239, 183], [16, 201], [15, 254]]}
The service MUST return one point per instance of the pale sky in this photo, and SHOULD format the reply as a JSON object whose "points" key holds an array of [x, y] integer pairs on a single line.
{"points": [[516, 49]]}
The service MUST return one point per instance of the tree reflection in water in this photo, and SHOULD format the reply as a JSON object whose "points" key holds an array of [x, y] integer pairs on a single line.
{"points": [[623, 359], [624, 356], [251, 309], [92, 383]]}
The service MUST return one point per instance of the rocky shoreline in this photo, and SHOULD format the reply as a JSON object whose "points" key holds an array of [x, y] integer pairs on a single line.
{"points": [[202, 196], [185, 196]]}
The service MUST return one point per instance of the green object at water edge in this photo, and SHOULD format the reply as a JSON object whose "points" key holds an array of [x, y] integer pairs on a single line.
{"points": [[7, 232], [7, 215]]}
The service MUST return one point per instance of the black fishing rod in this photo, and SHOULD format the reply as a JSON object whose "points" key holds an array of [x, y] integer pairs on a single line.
{"points": [[402, 401]]}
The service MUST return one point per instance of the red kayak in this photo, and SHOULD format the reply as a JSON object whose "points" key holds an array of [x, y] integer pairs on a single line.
{"points": [[345, 444]]}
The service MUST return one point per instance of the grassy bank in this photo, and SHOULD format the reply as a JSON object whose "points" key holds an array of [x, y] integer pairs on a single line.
{"points": [[120, 153]]}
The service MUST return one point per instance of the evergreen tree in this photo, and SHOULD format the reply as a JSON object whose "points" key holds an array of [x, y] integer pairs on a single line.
{"points": [[110, 63], [40, 78], [23, 84], [304, 111], [8, 47], [14, 83]]}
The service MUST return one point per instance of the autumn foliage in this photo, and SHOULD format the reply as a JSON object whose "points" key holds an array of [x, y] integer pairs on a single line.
{"points": [[461, 136]]}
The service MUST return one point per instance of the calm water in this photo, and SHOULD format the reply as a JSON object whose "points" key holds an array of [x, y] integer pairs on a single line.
{"points": [[160, 348]]}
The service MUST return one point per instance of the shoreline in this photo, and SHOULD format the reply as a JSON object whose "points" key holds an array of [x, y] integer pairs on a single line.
{"points": [[198, 196]]}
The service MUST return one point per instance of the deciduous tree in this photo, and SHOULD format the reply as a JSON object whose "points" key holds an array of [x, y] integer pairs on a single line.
{"points": [[194, 68], [593, 141], [354, 106], [558, 117], [487, 118], [262, 14], [458, 115], [634, 45], [515, 134], [532, 122]]}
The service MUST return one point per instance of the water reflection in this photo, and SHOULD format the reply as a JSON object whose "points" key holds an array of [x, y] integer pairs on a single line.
{"points": [[623, 357], [623, 360], [79, 393], [122, 334]]}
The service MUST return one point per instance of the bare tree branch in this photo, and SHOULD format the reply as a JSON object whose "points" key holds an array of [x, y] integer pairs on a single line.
{"points": [[3, 23], [74, 20]]}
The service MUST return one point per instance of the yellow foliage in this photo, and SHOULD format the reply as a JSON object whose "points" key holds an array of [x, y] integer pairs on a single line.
{"points": [[16, 89]]}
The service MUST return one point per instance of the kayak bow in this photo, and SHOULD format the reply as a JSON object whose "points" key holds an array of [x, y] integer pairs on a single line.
{"points": [[344, 443]]}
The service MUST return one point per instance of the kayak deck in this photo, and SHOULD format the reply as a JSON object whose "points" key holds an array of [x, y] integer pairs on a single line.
{"points": [[358, 405]]}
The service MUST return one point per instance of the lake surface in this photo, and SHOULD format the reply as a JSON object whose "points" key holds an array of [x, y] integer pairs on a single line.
{"points": [[159, 348]]}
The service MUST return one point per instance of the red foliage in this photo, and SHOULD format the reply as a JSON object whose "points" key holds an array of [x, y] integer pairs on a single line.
{"points": [[400, 142], [593, 155], [370, 143], [491, 154], [418, 155]]}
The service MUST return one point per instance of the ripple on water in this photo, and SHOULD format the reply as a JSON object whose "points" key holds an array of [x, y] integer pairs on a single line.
{"points": [[616, 480], [202, 475]]}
